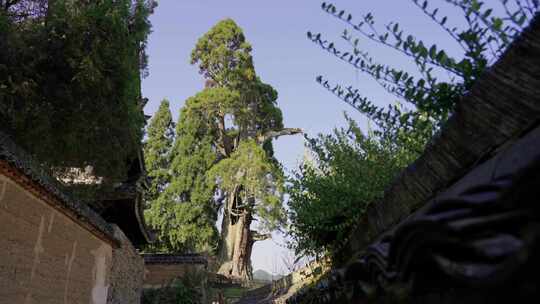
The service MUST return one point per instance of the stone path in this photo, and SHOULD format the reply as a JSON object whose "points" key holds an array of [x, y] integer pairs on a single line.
{"points": [[261, 295]]}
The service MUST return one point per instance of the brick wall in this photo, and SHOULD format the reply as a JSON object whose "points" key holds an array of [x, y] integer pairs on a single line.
{"points": [[46, 256]]}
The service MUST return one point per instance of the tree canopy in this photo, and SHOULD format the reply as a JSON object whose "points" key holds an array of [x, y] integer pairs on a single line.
{"points": [[342, 174], [72, 70], [157, 150]]}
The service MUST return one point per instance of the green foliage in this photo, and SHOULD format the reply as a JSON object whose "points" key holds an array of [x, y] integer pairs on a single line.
{"points": [[224, 58], [180, 291], [73, 72], [261, 182], [350, 171], [328, 193], [183, 214], [212, 102], [221, 148], [224, 55], [182, 227], [245, 164], [157, 147]]}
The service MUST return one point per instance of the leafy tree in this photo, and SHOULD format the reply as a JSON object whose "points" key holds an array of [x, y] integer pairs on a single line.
{"points": [[184, 214], [345, 172], [246, 178], [157, 149], [71, 70], [223, 157], [351, 170]]}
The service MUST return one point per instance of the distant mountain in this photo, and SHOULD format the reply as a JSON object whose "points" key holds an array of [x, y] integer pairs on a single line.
{"points": [[261, 275]]}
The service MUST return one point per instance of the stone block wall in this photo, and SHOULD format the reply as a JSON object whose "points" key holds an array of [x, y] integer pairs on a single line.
{"points": [[127, 272]]}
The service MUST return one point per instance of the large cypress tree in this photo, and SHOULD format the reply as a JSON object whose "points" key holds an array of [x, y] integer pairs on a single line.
{"points": [[223, 157], [241, 118]]}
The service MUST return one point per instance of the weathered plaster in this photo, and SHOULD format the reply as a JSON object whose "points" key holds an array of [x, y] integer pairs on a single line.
{"points": [[51, 221], [38, 247], [50, 257], [100, 271], [69, 267], [28, 299], [3, 186]]}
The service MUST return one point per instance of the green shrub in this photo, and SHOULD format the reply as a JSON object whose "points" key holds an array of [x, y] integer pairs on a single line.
{"points": [[178, 292]]}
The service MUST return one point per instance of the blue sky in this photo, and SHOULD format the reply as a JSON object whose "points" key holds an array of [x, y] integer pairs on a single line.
{"points": [[284, 58]]}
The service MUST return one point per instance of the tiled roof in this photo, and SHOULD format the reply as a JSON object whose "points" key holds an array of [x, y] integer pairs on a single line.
{"points": [[481, 235], [21, 163], [161, 258]]}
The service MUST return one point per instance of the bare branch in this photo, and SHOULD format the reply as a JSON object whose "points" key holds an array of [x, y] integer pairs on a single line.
{"points": [[255, 236], [275, 134]]}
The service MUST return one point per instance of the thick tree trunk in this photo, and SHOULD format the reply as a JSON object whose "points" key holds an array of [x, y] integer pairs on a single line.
{"points": [[236, 242]]}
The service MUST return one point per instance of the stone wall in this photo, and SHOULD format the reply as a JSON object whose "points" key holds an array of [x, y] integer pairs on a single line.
{"points": [[127, 272], [46, 256]]}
